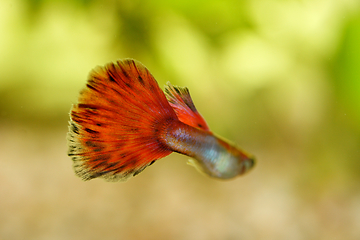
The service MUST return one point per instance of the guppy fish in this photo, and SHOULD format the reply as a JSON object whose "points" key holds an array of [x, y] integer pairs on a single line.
{"points": [[123, 122]]}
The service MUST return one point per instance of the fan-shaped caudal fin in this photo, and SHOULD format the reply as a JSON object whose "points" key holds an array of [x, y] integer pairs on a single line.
{"points": [[113, 130], [180, 100]]}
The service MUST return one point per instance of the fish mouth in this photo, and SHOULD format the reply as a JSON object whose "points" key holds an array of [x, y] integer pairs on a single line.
{"points": [[248, 164], [252, 162]]}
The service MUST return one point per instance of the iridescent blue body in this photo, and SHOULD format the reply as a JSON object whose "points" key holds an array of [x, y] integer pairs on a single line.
{"points": [[213, 156]]}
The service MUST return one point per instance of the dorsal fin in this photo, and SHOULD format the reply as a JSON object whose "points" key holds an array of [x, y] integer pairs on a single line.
{"points": [[113, 128], [180, 100]]}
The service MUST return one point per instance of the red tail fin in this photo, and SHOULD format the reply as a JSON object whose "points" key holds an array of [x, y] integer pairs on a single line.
{"points": [[113, 128]]}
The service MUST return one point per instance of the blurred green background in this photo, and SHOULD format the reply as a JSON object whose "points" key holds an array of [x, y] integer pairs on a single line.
{"points": [[281, 78]]}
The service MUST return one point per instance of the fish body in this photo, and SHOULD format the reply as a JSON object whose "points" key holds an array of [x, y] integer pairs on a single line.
{"points": [[123, 122], [214, 156]]}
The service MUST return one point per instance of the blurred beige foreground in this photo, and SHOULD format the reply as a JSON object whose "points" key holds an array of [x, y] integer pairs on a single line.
{"points": [[42, 199], [279, 78]]}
